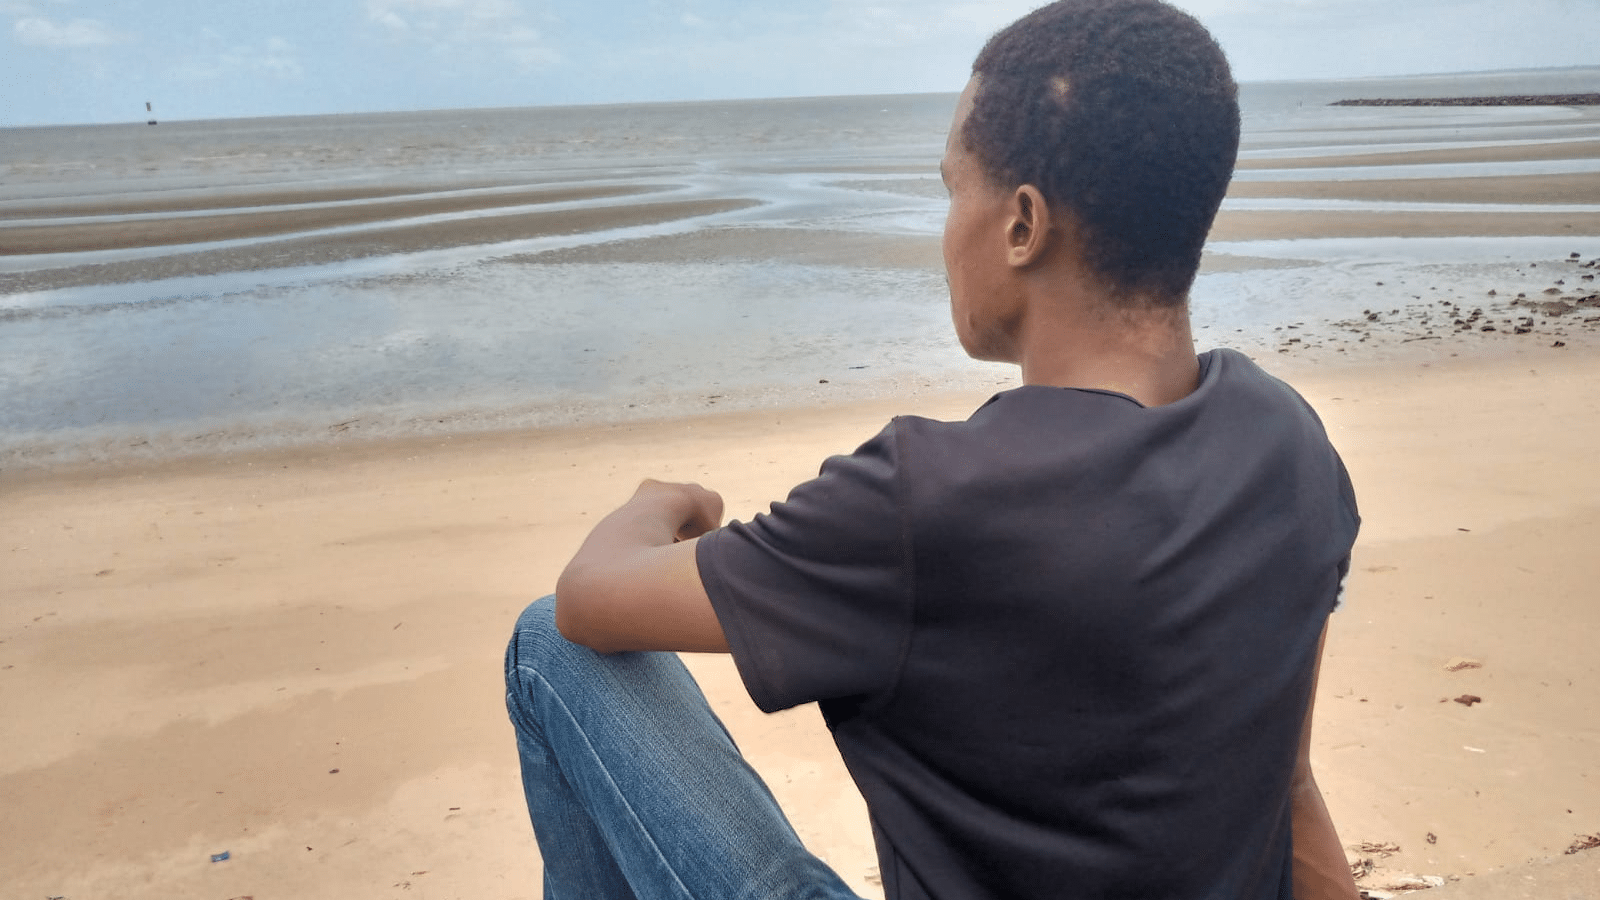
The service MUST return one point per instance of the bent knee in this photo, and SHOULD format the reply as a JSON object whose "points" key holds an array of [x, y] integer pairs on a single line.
{"points": [[533, 637], [538, 616]]}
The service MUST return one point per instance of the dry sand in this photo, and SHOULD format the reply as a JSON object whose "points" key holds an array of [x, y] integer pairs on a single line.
{"points": [[295, 657]]}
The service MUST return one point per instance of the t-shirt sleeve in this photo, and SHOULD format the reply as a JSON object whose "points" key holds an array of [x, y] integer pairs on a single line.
{"points": [[814, 596]]}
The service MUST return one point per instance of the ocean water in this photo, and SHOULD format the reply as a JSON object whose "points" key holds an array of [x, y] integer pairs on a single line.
{"points": [[232, 284]]}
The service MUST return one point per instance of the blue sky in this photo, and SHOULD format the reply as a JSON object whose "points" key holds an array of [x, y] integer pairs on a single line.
{"points": [[70, 61]]}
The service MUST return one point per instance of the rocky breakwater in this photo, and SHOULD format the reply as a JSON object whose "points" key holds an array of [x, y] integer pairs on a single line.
{"points": [[1512, 100]]}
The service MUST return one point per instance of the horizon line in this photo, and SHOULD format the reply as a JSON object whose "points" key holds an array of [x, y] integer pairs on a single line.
{"points": [[153, 118]]}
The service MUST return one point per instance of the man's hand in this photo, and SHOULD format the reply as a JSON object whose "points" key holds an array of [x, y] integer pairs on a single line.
{"points": [[634, 584], [701, 508]]}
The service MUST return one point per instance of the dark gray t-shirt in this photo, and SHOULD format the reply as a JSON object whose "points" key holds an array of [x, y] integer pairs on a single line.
{"points": [[1064, 646]]}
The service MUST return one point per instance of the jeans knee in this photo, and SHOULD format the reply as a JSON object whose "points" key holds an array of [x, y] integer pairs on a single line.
{"points": [[533, 639], [539, 616]]}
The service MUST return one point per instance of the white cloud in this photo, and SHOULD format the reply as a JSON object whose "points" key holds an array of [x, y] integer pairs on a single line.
{"points": [[273, 58], [1268, 39], [388, 18], [527, 47], [457, 17], [463, 28], [277, 58], [38, 31]]}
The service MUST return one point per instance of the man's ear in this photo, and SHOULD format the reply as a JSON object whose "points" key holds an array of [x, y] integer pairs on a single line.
{"points": [[1028, 231]]}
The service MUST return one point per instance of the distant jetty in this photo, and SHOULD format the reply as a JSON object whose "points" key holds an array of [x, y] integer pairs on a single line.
{"points": [[1516, 100]]}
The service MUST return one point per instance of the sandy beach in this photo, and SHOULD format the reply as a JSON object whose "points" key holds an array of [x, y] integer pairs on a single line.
{"points": [[293, 656]]}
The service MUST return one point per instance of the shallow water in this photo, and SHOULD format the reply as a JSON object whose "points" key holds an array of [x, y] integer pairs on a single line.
{"points": [[126, 355]]}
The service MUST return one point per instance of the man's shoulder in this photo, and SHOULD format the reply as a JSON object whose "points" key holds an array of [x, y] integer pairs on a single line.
{"points": [[1237, 403]]}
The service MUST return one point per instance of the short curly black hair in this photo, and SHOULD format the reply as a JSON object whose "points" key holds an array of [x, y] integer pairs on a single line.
{"points": [[1125, 112]]}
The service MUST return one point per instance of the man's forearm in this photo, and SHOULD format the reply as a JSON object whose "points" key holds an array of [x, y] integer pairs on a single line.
{"points": [[633, 585]]}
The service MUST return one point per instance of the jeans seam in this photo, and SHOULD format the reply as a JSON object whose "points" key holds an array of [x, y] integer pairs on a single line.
{"points": [[616, 789]]}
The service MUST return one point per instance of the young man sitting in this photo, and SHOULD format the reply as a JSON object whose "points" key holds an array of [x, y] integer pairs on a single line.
{"points": [[1066, 647]]}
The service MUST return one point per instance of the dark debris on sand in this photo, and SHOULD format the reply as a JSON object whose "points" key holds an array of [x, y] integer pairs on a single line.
{"points": [[1584, 842], [1569, 307]]}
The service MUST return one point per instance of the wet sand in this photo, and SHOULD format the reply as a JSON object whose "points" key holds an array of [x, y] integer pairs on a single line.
{"points": [[192, 200], [1256, 225], [807, 245], [270, 219], [324, 249], [1516, 189], [1500, 153]]}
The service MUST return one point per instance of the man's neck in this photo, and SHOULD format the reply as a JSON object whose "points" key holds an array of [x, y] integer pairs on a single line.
{"points": [[1146, 353]]}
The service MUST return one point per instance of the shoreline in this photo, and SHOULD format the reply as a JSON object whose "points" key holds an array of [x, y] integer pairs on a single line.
{"points": [[1298, 352], [1294, 363], [1547, 308], [1292, 354]]}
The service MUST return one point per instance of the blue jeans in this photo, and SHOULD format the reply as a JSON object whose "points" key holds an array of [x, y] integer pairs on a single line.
{"points": [[634, 786]]}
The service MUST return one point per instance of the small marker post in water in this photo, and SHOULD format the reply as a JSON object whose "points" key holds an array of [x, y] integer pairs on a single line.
{"points": [[147, 109]]}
